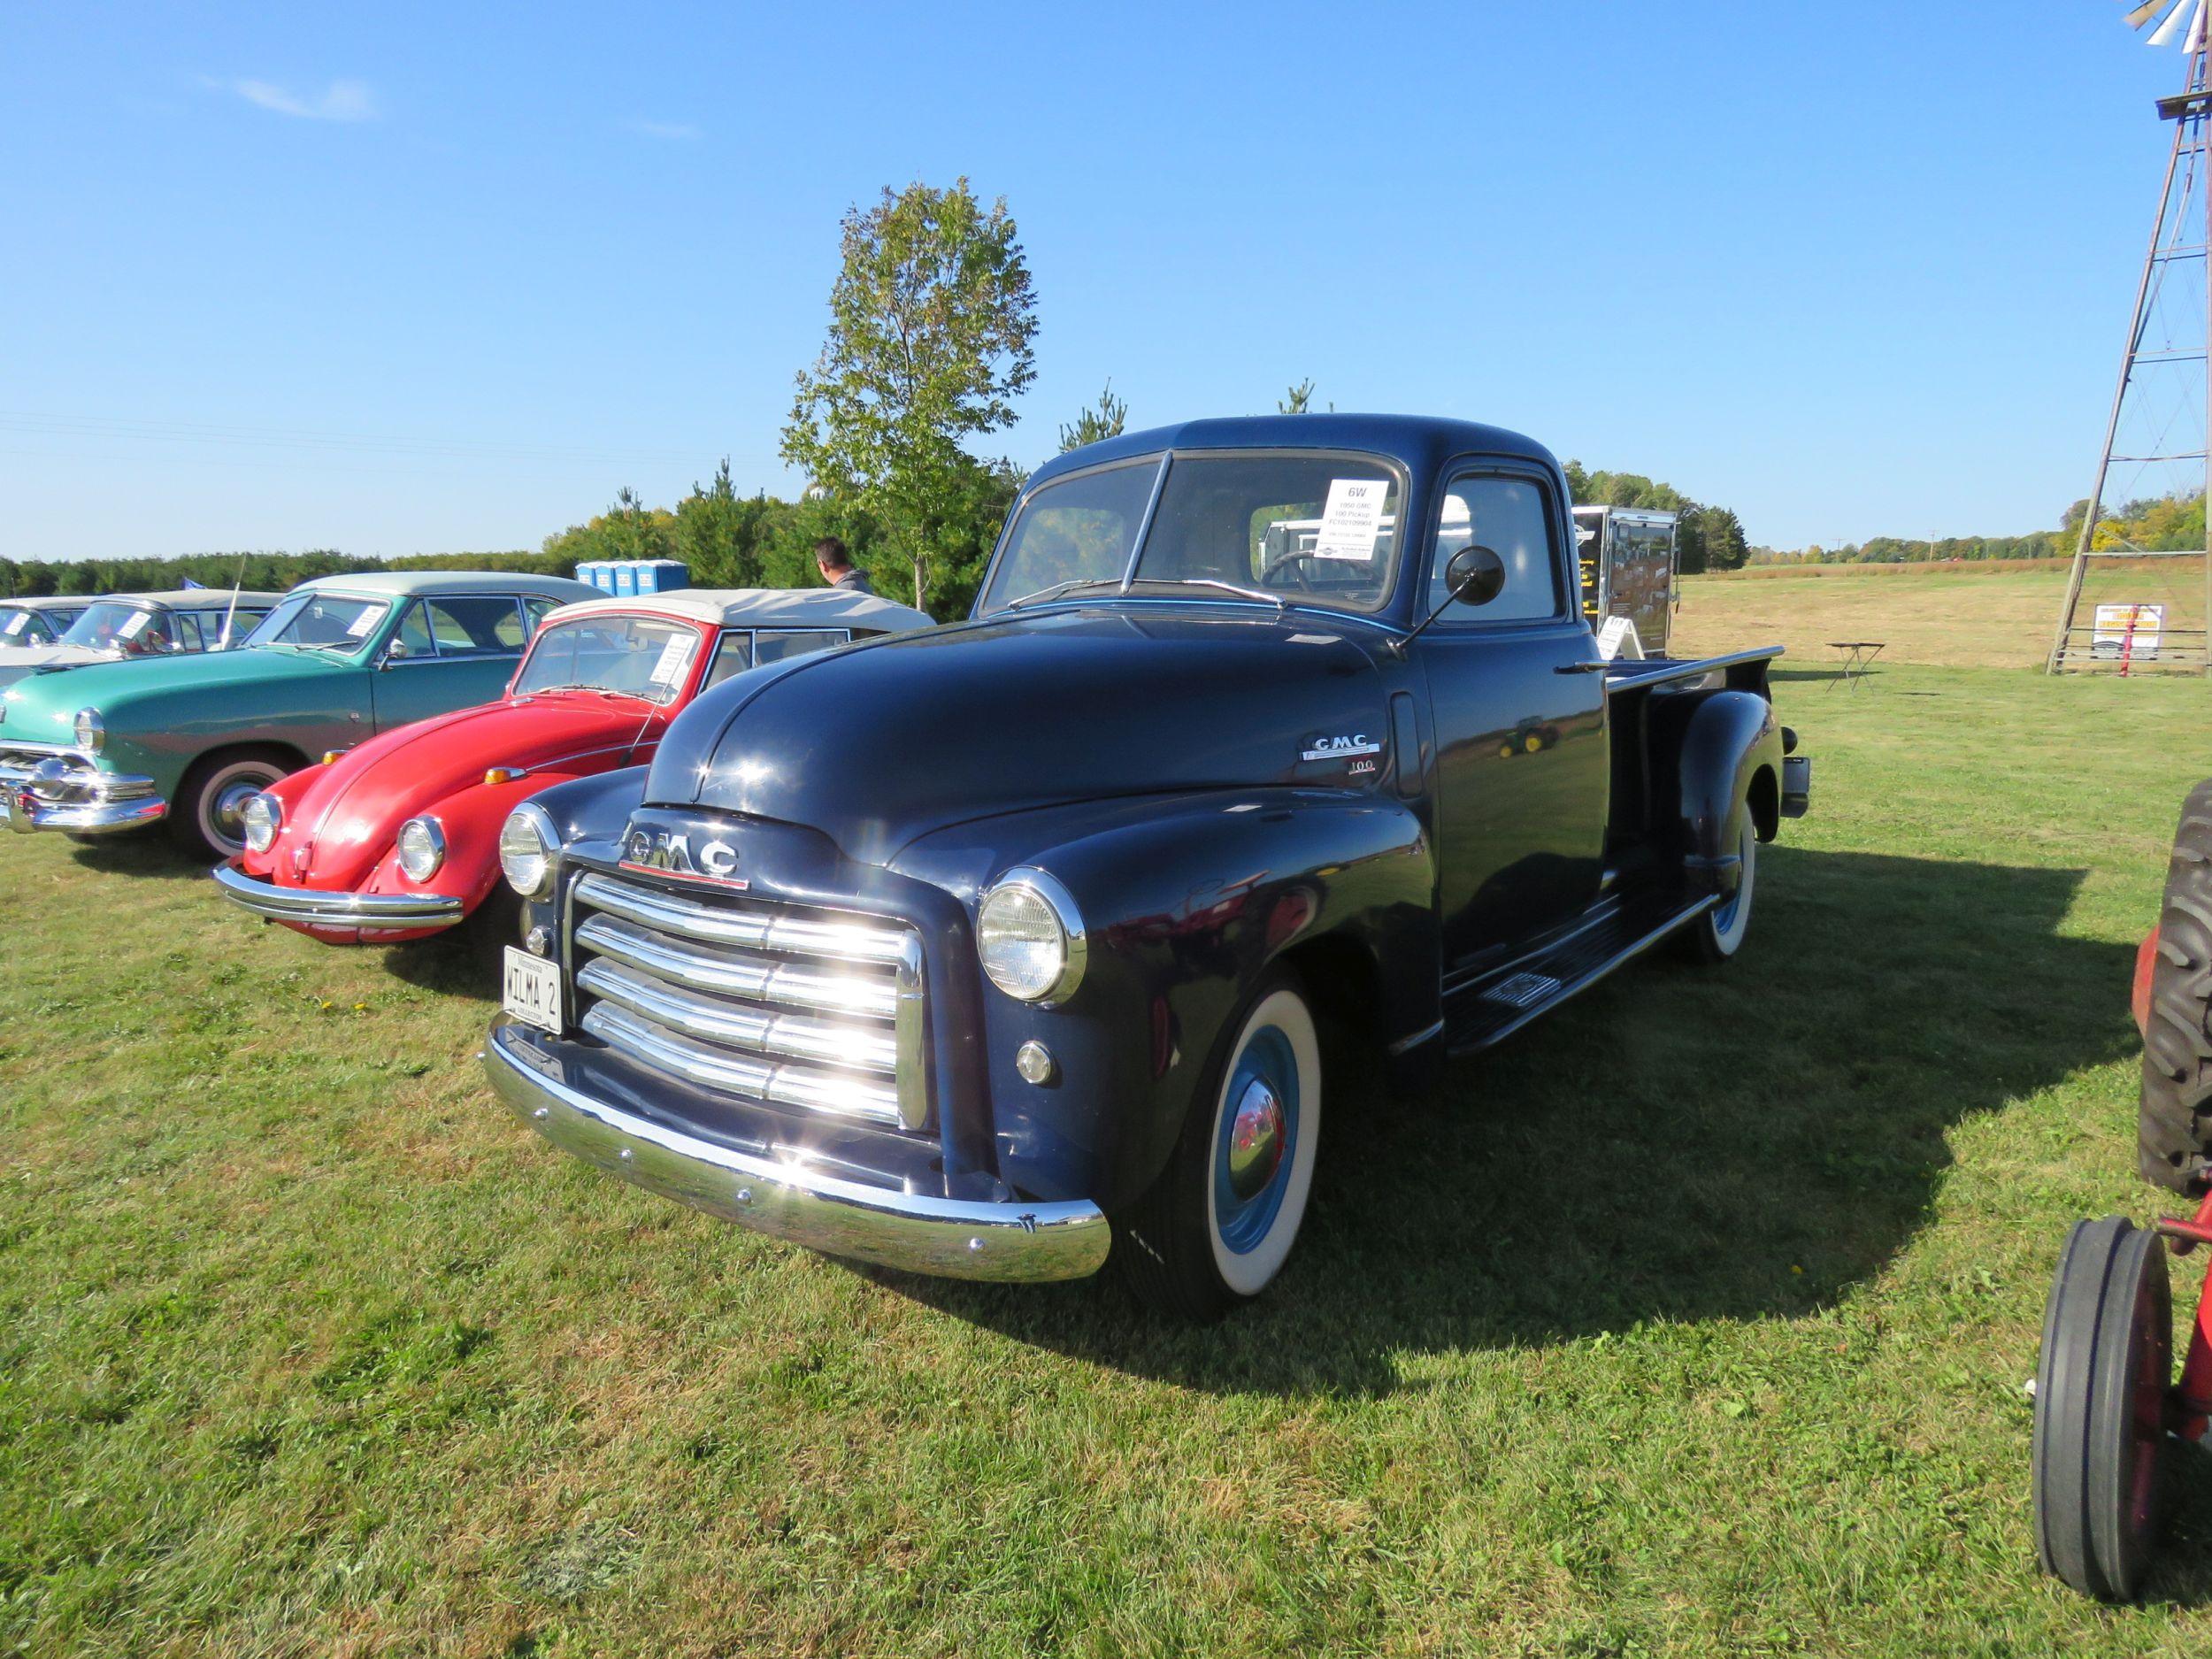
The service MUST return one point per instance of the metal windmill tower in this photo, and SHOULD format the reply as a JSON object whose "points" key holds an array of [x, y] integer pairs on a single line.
{"points": [[2163, 372]]}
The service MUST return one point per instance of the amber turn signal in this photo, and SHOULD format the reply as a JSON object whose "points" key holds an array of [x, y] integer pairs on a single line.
{"points": [[503, 774]]}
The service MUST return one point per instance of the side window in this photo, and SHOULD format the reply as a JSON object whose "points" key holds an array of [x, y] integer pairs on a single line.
{"points": [[733, 656], [1506, 515], [539, 609], [185, 632], [475, 625], [770, 646], [414, 633]]}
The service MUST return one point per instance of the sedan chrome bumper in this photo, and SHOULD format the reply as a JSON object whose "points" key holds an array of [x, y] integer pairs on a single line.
{"points": [[67, 792], [950, 1237], [370, 912]]}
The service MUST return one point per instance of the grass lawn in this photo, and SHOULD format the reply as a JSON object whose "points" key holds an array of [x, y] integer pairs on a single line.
{"points": [[1694, 1320], [1967, 615]]}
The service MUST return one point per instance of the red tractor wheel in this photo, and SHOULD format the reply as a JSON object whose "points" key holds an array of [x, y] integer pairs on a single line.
{"points": [[2100, 1394]]}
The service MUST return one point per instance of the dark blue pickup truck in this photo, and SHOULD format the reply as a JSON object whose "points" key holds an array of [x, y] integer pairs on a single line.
{"points": [[980, 952]]}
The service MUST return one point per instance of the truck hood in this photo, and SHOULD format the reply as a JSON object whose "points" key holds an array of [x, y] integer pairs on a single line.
{"points": [[880, 744], [349, 813], [133, 693]]}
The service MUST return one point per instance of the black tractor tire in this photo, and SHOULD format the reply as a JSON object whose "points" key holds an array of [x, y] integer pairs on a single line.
{"points": [[2101, 1389], [2173, 1118]]}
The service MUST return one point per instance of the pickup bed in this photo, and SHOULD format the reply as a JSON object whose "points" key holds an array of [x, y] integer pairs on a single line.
{"points": [[989, 951]]}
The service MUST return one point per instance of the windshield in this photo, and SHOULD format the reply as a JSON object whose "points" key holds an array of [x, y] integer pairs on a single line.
{"points": [[640, 657], [331, 620], [134, 629], [24, 627], [1309, 528]]}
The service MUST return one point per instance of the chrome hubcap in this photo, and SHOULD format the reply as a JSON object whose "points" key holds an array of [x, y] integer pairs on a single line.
{"points": [[229, 811], [1256, 1139]]}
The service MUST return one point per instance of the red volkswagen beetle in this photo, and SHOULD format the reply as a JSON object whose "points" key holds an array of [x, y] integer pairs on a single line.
{"points": [[398, 838]]}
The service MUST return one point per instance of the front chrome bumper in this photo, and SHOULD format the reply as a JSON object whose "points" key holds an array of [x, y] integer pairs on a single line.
{"points": [[370, 912], [950, 1237], [64, 791]]}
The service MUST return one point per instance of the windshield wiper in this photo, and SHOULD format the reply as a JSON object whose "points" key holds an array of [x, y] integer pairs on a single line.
{"points": [[1043, 594], [1279, 601]]}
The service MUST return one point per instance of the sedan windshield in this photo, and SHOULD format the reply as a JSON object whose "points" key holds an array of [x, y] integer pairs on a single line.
{"points": [[1302, 527], [24, 627], [637, 656], [134, 629], [332, 621]]}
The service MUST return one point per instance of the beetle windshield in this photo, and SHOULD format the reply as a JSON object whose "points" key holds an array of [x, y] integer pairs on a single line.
{"points": [[1307, 528], [134, 629], [330, 621], [637, 656]]}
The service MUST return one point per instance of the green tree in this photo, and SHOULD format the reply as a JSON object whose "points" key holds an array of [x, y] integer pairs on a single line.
{"points": [[932, 318], [1298, 400], [717, 533], [1094, 426]]}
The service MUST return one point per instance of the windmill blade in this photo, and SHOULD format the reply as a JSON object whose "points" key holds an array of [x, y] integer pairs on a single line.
{"points": [[2195, 42], [2142, 13], [2172, 26]]}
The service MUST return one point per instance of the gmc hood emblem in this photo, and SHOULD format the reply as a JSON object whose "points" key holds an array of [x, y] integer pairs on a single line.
{"points": [[672, 853]]}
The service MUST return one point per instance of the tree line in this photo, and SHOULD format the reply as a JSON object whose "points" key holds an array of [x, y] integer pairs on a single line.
{"points": [[2156, 524]]}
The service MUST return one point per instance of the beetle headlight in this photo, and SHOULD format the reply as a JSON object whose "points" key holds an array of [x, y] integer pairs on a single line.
{"points": [[526, 844], [421, 847], [92, 736], [1030, 936], [261, 818]]}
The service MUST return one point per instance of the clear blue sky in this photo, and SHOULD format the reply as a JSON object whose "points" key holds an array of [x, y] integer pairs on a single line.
{"points": [[411, 279]]}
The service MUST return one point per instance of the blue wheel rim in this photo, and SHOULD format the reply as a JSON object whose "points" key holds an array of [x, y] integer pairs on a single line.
{"points": [[1242, 1223]]}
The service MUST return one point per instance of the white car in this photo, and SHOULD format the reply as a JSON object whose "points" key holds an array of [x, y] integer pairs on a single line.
{"points": [[133, 625]]}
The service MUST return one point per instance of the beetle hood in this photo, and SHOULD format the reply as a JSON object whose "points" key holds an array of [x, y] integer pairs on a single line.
{"points": [[348, 814], [877, 745]]}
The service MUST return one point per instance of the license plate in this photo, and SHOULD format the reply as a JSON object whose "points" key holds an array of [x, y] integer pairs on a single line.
{"points": [[532, 990]]}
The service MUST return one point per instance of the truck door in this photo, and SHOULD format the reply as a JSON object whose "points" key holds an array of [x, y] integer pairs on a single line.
{"points": [[1522, 772]]}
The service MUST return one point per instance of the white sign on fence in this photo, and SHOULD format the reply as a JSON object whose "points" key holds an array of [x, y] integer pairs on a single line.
{"points": [[2128, 632]]}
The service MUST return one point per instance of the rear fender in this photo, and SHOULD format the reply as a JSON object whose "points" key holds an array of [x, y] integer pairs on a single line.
{"points": [[1719, 756]]}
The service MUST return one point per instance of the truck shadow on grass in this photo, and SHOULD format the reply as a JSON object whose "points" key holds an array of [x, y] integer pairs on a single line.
{"points": [[1679, 1144]]}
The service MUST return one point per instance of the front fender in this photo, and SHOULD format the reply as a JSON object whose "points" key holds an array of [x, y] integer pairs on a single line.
{"points": [[1186, 901], [1724, 750]]}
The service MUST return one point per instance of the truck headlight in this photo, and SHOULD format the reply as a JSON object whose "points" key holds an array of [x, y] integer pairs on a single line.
{"points": [[92, 736], [421, 847], [260, 818], [526, 844], [1030, 936]]}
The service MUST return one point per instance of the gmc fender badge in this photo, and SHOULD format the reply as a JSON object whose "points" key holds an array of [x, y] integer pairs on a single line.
{"points": [[668, 853], [1322, 747]]}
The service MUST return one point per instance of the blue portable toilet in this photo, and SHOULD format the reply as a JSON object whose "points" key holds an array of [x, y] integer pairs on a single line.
{"points": [[661, 576], [597, 572], [626, 577]]}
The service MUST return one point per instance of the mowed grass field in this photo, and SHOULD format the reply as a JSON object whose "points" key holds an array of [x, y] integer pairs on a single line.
{"points": [[1693, 1321], [1996, 615]]}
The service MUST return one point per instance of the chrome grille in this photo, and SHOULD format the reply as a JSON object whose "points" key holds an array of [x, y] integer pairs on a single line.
{"points": [[746, 996]]}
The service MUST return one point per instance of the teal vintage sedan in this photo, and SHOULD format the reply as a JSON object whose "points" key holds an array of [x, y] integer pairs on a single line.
{"points": [[189, 740]]}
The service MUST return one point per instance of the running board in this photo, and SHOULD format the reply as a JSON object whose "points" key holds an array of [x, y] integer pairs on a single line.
{"points": [[1492, 1008]]}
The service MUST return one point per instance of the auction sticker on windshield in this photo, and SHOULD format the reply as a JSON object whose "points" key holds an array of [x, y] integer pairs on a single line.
{"points": [[675, 657], [532, 990], [1352, 520]]}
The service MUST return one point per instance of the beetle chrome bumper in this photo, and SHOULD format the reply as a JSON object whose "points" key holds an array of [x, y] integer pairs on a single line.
{"points": [[950, 1237], [392, 912], [66, 792]]}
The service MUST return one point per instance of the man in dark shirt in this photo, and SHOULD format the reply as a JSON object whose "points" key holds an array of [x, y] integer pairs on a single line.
{"points": [[836, 566]]}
